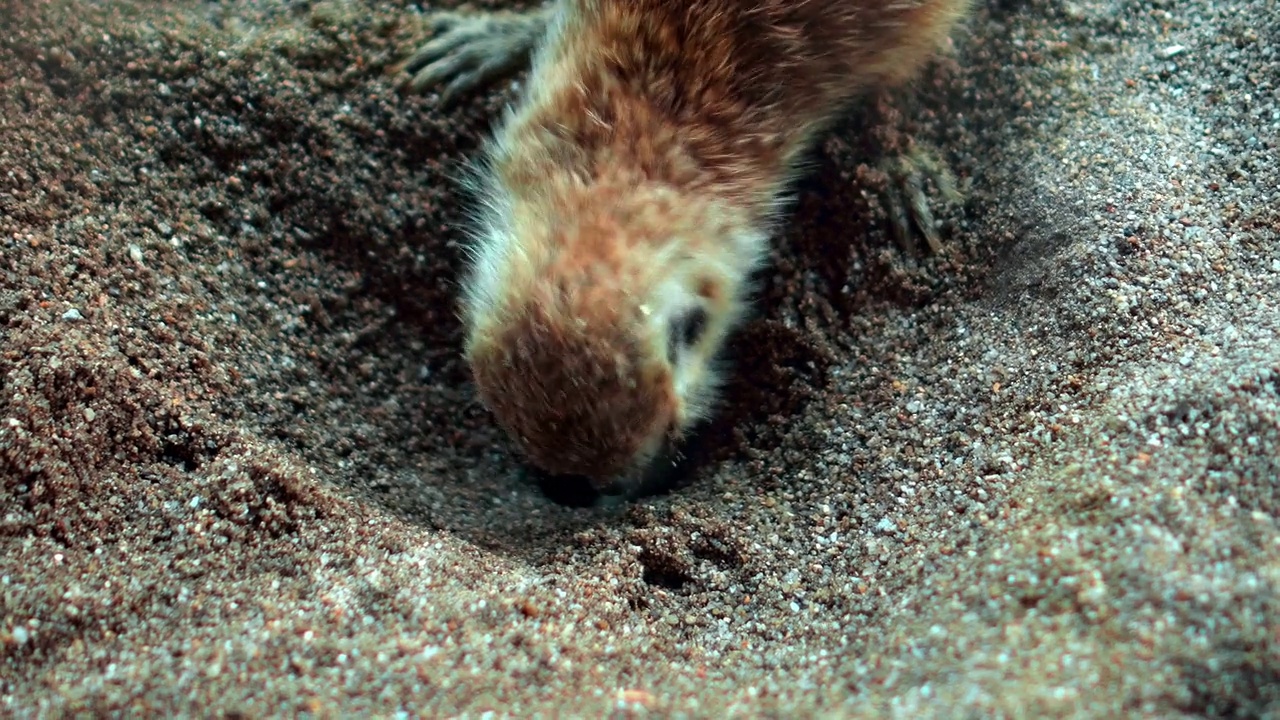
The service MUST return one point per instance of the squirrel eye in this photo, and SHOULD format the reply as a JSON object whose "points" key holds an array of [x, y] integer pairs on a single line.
{"points": [[686, 330]]}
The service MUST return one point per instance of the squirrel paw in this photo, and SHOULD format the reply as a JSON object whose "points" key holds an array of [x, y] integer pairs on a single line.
{"points": [[467, 50], [908, 202]]}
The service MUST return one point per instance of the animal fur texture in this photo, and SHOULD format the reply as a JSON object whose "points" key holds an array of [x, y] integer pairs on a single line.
{"points": [[629, 193]]}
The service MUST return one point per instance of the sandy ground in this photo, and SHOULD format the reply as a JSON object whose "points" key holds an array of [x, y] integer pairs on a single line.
{"points": [[243, 470]]}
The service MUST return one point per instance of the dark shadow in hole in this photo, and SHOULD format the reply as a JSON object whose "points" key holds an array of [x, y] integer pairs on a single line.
{"points": [[573, 491], [664, 572], [665, 476]]}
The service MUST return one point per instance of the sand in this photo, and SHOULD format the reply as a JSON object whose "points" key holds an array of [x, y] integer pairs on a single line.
{"points": [[244, 472]]}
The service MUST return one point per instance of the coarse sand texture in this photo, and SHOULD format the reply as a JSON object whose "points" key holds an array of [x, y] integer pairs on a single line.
{"points": [[243, 471]]}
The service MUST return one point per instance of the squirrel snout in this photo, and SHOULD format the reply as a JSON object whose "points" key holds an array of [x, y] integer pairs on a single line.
{"points": [[576, 402]]}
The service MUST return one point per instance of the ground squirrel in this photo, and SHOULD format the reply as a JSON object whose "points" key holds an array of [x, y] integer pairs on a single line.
{"points": [[630, 192]]}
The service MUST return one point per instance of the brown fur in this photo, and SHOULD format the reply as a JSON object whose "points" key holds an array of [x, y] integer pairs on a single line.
{"points": [[717, 96], [596, 397], [652, 138], [555, 362]]}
